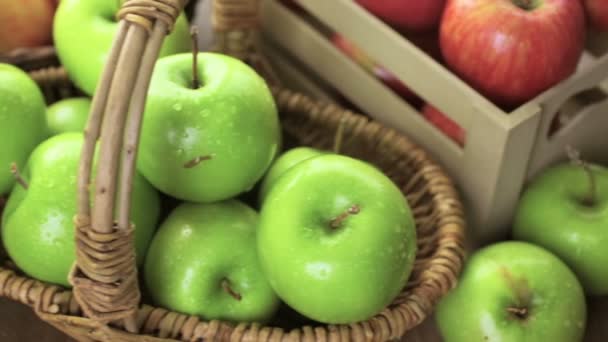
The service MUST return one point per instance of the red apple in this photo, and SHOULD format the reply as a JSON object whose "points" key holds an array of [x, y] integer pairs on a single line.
{"points": [[361, 58], [26, 23], [427, 42], [512, 50], [444, 123], [597, 12], [411, 15]]}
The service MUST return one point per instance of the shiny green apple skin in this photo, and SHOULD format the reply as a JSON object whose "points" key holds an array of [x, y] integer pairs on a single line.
{"points": [[22, 121], [550, 214], [197, 247], [83, 33], [476, 310], [284, 162], [37, 223], [232, 118], [344, 274], [68, 115]]}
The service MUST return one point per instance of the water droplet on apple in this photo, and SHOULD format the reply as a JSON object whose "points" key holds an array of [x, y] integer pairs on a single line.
{"points": [[186, 231], [319, 270], [179, 151], [204, 113], [177, 107]]}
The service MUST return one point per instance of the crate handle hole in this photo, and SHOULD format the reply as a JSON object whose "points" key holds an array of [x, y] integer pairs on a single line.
{"points": [[574, 106]]}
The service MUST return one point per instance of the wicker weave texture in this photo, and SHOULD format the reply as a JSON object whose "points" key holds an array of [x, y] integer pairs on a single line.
{"points": [[435, 203]]}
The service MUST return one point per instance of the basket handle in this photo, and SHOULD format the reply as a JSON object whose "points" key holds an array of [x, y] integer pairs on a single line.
{"points": [[236, 33], [104, 276], [235, 24]]}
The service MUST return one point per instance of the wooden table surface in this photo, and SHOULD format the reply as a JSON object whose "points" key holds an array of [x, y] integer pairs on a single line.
{"points": [[19, 324]]}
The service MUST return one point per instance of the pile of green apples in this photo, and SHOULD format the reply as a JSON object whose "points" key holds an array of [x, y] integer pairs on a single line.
{"points": [[535, 286], [228, 225]]}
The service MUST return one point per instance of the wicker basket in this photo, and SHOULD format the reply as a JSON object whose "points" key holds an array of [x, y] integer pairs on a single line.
{"points": [[105, 303], [31, 58]]}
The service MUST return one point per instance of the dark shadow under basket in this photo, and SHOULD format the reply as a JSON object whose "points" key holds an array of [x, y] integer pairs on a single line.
{"points": [[430, 193]]}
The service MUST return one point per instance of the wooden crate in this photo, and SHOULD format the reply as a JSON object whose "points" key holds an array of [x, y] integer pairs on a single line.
{"points": [[503, 150]]}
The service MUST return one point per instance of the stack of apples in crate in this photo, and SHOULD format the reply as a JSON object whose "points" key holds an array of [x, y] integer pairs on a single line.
{"points": [[535, 285], [227, 226], [495, 58]]}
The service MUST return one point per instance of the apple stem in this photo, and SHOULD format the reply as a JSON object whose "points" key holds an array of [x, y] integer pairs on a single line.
{"points": [[17, 175], [226, 287], [194, 34], [575, 157], [337, 222], [523, 295], [521, 313], [525, 4], [339, 135], [194, 162]]}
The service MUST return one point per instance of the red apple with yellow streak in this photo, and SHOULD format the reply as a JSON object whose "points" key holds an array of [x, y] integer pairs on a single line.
{"points": [[372, 67], [444, 123], [512, 50], [410, 15]]}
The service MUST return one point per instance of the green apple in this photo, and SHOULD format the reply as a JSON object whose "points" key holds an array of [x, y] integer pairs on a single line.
{"points": [[22, 121], [511, 292], [211, 143], [203, 261], [83, 33], [37, 224], [284, 162], [554, 212], [68, 115], [337, 239]]}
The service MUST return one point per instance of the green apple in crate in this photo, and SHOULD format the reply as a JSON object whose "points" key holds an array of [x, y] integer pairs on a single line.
{"points": [[83, 33], [209, 143], [337, 239], [68, 115], [565, 210], [22, 121], [513, 292], [203, 261], [282, 164], [37, 223], [512, 50]]}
